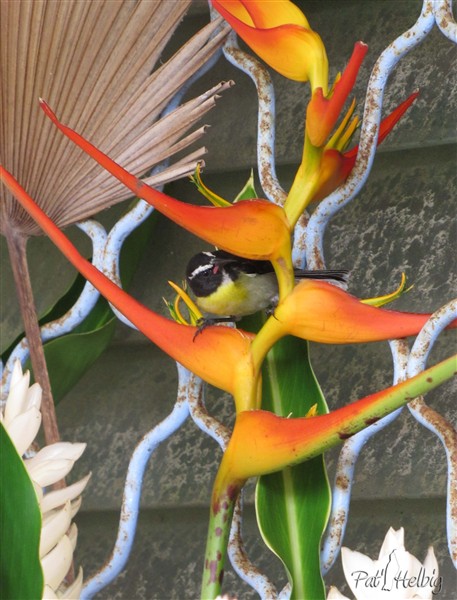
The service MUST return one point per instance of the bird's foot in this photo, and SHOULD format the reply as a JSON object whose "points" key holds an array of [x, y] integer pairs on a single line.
{"points": [[207, 322]]}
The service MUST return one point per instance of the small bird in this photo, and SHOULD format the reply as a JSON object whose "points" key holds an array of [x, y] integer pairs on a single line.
{"points": [[226, 285]]}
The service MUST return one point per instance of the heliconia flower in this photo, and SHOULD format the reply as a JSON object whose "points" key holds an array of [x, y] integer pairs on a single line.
{"points": [[280, 34], [49, 465], [324, 110], [336, 165], [234, 374], [263, 442], [255, 229], [396, 574], [320, 312]]}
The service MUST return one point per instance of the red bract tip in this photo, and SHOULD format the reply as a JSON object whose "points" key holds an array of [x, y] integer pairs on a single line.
{"points": [[255, 229], [322, 113]]}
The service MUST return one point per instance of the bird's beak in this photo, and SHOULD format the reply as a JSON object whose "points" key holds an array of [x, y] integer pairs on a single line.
{"points": [[222, 262]]}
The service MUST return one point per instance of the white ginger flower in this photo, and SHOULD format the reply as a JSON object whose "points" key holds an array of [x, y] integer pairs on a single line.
{"points": [[22, 419]]}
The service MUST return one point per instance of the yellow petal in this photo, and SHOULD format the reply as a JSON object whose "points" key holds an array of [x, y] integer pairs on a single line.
{"points": [[381, 300]]}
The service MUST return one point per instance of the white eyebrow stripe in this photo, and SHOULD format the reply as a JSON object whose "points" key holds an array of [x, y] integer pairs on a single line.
{"points": [[198, 270]]}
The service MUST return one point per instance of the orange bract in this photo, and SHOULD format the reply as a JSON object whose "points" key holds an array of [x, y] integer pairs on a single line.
{"points": [[323, 111], [280, 34], [321, 312], [196, 352], [255, 229]]}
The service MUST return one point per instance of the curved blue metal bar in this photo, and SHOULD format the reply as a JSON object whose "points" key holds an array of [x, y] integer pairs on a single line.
{"points": [[240, 561], [368, 136], [299, 246], [133, 488], [432, 420], [284, 594], [445, 19], [265, 120], [73, 317], [344, 477], [204, 421]]}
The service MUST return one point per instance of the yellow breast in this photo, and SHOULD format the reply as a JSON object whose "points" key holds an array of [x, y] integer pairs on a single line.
{"points": [[242, 297]]}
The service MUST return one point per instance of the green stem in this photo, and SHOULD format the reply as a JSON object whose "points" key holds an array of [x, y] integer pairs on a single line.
{"points": [[222, 507], [306, 179]]}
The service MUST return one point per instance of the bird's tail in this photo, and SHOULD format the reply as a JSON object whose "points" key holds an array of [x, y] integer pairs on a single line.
{"points": [[337, 277]]}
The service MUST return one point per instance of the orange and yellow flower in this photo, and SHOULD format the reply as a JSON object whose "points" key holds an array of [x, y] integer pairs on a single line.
{"points": [[314, 310], [196, 352], [318, 311], [255, 229], [336, 163], [324, 109], [280, 34], [263, 442]]}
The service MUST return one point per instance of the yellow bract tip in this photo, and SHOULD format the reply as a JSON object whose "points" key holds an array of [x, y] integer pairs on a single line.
{"points": [[381, 300], [312, 412], [205, 191], [194, 312]]}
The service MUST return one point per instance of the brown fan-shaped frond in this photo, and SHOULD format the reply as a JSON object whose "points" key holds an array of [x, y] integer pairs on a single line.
{"points": [[93, 62]]}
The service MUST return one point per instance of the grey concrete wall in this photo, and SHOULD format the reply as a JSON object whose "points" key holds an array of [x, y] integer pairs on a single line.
{"points": [[404, 220]]}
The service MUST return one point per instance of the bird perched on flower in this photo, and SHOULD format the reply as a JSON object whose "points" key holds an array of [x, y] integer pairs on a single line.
{"points": [[227, 285]]}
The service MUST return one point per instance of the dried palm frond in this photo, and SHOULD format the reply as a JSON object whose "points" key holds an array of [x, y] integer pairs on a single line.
{"points": [[93, 62]]}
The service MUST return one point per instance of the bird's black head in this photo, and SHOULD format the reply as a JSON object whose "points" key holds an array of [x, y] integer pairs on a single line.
{"points": [[204, 274]]}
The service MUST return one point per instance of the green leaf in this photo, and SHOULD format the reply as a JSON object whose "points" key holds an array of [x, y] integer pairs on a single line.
{"points": [[21, 575], [293, 505], [248, 192], [70, 356]]}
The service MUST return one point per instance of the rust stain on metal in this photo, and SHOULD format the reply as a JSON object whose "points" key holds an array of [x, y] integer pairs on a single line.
{"points": [[342, 482]]}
